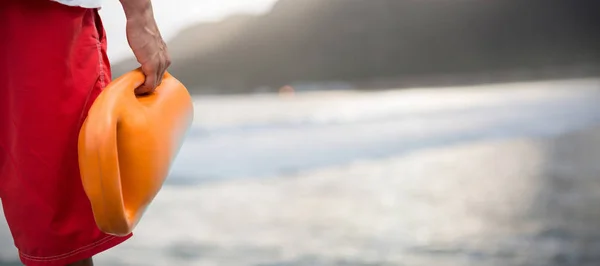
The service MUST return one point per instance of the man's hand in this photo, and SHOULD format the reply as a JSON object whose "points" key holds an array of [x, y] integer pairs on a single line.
{"points": [[146, 42]]}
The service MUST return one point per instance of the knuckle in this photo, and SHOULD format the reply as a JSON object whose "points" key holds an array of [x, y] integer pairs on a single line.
{"points": [[152, 65], [148, 71]]}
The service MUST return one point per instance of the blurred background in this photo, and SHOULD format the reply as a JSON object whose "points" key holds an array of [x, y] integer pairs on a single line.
{"points": [[376, 132]]}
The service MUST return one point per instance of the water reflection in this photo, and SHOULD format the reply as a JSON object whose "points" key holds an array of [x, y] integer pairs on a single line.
{"points": [[488, 203]]}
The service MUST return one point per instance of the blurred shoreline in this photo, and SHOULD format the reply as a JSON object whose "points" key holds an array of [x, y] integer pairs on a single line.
{"points": [[515, 75], [268, 135]]}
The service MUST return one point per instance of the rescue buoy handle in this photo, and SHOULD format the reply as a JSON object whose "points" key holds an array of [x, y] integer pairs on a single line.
{"points": [[110, 188], [122, 89]]}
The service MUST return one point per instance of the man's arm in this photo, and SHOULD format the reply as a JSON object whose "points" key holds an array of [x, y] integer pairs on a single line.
{"points": [[146, 42]]}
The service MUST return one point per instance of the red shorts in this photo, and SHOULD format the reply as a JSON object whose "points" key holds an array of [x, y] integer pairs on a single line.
{"points": [[53, 65]]}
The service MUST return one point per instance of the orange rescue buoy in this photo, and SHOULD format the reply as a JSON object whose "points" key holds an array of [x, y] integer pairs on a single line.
{"points": [[127, 145]]}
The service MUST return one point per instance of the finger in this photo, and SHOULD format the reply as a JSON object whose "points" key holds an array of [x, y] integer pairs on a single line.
{"points": [[168, 61], [150, 82], [141, 90], [164, 66], [160, 73]]}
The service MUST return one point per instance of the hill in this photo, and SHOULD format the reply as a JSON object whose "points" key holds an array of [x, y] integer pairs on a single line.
{"points": [[361, 40]]}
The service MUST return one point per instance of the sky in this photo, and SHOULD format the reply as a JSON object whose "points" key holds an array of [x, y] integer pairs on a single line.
{"points": [[171, 18]]}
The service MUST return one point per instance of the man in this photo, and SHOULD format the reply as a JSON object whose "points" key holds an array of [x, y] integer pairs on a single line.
{"points": [[53, 64]]}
